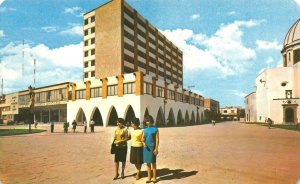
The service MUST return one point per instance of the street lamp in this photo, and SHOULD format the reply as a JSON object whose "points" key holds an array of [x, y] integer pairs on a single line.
{"points": [[31, 103], [165, 102], [198, 119]]}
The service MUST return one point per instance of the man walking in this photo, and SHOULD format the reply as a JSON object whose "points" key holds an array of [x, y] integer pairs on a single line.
{"points": [[92, 124], [52, 126]]}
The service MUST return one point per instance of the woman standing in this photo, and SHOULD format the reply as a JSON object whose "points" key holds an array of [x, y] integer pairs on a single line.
{"points": [[74, 123], [136, 153], [120, 139], [150, 151]]}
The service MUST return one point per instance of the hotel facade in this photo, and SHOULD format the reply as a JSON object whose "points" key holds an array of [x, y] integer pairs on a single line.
{"points": [[130, 70]]}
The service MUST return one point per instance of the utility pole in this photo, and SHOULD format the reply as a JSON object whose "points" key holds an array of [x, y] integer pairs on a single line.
{"points": [[2, 86], [34, 65]]}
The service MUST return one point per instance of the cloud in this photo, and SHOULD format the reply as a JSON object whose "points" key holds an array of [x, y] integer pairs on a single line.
{"points": [[1, 1], [4, 9], [76, 11], [74, 30], [50, 29], [266, 45], [1, 33], [298, 2], [195, 17], [52, 65], [237, 93], [231, 13], [223, 52]]}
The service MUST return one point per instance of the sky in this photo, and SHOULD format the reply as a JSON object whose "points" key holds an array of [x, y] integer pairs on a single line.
{"points": [[225, 43]]}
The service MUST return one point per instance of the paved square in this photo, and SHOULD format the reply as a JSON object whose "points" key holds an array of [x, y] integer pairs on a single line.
{"points": [[228, 153]]}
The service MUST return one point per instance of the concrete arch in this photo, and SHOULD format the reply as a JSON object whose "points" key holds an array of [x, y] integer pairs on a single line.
{"points": [[193, 119], [112, 117], [180, 120], [97, 117], [80, 116], [159, 118], [186, 118], [129, 115], [171, 118]]}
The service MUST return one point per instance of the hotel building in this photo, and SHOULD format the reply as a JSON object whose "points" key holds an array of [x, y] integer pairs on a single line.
{"points": [[130, 70]]}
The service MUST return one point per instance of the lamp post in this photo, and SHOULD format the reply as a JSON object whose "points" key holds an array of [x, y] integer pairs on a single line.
{"points": [[165, 102], [198, 115], [31, 103]]}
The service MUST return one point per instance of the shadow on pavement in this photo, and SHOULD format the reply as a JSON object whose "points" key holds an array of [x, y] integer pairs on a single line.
{"points": [[170, 174]]}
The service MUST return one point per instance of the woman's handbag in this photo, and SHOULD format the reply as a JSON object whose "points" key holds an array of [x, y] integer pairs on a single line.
{"points": [[113, 148]]}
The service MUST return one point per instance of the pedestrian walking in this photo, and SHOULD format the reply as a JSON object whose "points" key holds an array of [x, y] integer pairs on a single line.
{"points": [[120, 139], [74, 124], [269, 122], [136, 152], [66, 126], [92, 125], [150, 150], [35, 124], [52, 126], [85, 126], [213, 122]]}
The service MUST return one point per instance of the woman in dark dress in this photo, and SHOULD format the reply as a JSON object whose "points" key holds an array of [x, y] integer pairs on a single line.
{"points": [[120, 139], [150, 151]]}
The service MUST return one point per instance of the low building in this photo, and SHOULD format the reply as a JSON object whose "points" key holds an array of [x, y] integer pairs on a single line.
{"points": [[230, 113], [9, 107]]}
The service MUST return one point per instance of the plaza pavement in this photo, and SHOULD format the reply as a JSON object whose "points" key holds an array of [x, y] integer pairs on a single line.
{"points": [[227, 153]]}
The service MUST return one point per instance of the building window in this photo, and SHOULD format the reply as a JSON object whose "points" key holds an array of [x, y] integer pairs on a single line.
{"points": [[93, 19], [129, 88], [225, 111], [86, 64], [160, 91], [86, 43], [92, 29], [93, 63], [86, 75], [179, 97], [93, 52], [232, 111], [171, 95], [80, 94], [86, 32], [186, 98], [96, 92], [93, 74], [93, 41], [112, 90], [147, 88], [86, 21], [86, 53]]}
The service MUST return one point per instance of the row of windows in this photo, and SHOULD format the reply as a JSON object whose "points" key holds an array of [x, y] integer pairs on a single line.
{"points": [[86, 53], [96, 92], [43, 97], [86, 74], [86, 64], [80, 94], [92, 19], [129, 88], [86, 32], [92, 41]]}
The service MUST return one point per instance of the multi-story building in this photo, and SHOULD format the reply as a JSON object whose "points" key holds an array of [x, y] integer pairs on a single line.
{"points": [[118, 40], [130, 70], [9, 107], [211, 105]]}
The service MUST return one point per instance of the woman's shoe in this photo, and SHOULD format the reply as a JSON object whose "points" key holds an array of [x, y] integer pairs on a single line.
{"points": [[137, 177], [148, 181], [122, 176], [154, 181], [116, 177]]}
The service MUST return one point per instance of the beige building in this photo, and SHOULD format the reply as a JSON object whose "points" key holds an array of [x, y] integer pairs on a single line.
{"points": [[278, 89], [211, 105], [230, 113], [118, 40], [250, 107], [9, 107]]}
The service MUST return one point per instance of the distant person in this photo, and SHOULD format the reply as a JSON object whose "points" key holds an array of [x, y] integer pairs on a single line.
{"points": [[136, 152], [52, 126], [213, 122], [120, 139], [269, 122], [66, 126], [85, 126], [35, 124], [74, 124], [92, 125], [150, 150]]}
